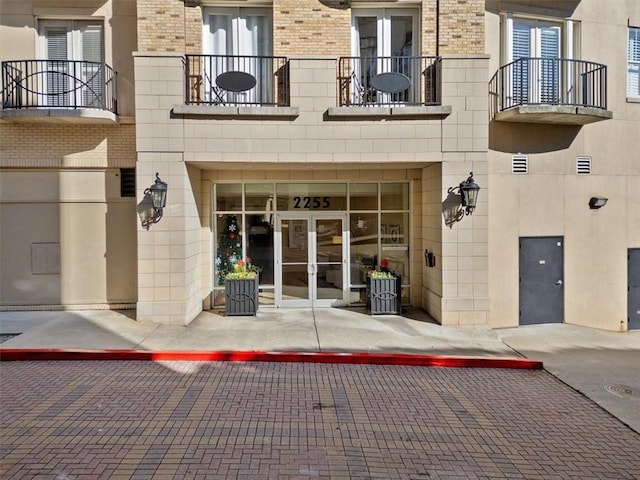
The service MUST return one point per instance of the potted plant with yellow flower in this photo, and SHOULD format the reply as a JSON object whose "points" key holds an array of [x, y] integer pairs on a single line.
{"points": [[241, 289], [384, 291]]}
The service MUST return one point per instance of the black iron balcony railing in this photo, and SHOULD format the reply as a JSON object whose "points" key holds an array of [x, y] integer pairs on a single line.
{"points": [[60, 84], [549, 81], [380, 81], [236, 80]]}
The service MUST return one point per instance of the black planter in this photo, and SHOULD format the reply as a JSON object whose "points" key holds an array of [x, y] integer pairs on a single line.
{"points": [[241, 296], [384, 296]]}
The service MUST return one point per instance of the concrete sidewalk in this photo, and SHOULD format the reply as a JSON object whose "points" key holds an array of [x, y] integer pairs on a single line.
{"points": [[604, 366], [303, 330]]}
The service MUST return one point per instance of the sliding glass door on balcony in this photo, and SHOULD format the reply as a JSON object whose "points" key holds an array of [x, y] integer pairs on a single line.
{"points": [[536, 80], [73, 73], [238, 68], [633, 63], [383, 42]]}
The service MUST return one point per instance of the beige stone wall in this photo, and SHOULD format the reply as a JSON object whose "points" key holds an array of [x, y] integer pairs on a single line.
{"points": [[464, 258], [431, 240], [170, 278], [67, 238], [552, 199], [312, 147], [19, 38]]}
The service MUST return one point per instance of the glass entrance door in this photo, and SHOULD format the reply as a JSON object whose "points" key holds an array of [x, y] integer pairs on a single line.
{"points": [[310, 260]]}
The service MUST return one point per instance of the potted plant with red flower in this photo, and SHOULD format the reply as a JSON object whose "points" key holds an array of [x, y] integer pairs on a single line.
{"points": [[384, 291], [241, 289]]}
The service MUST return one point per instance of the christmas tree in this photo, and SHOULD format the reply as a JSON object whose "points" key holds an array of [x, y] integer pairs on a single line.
{"points": [[229, 247]]}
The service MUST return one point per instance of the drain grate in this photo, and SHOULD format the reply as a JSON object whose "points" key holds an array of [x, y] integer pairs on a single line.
{"points": [[623, 391]]}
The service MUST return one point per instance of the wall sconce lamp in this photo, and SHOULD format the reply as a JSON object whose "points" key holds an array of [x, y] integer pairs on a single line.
{"points": [[158, 194], [460, 201], [468, 191], [597, 202]]}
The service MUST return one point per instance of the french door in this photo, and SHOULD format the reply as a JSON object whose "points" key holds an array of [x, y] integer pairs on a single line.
{"points": [[380, 38], [536, 78], [311, 260], [239, 39], [75, 63]]}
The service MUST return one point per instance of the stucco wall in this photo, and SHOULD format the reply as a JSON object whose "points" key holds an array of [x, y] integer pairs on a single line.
{"points": [[66, 239], [59, 183], [552, 200]]}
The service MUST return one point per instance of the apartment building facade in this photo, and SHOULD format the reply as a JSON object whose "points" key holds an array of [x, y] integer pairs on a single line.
{"points": [[321, 138]]}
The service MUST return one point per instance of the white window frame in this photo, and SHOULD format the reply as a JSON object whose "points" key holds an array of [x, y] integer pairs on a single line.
{"points": [[633, 64], [237, 18], [74, 28], [569, 47], [383, 17]]}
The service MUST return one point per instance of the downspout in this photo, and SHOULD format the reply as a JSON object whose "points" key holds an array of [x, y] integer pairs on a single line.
{"points": [[437, 28]]}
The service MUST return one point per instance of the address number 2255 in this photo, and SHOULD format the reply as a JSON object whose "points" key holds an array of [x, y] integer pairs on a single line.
{"points": [[311, 202]]}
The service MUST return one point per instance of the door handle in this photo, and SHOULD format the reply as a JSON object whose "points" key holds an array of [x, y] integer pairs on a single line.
{"points": [[310, 268], [558, 282]]}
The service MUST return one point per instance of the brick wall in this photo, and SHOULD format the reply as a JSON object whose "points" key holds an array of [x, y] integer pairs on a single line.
{"points": [[461, 26], [169, 26], [57, 146], [312, 27], [429, 27]]}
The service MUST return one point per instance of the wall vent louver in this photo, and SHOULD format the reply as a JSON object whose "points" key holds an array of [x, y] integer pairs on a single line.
{"points": [[127, 182], [520, 164], [583, 165]]}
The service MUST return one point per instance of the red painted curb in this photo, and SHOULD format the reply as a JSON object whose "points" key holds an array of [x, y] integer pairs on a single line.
{"points": [[13, 355]]}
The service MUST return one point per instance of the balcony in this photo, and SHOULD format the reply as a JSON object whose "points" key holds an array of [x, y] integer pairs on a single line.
{"points": [[236, 86], [403, 87], [69, 91], [550, 90]]}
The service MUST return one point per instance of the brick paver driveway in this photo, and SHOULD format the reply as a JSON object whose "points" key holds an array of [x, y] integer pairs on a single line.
{"points": [[143, 420]]}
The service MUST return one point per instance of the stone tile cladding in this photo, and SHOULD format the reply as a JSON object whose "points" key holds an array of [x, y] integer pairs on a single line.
{"points": [[312, 27]]}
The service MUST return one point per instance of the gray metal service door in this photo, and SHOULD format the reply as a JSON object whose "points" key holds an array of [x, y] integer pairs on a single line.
{"points": [[634, 289], [541, 280]]}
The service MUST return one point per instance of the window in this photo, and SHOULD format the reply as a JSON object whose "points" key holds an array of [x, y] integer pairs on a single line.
{"points": [[384, 40], [633, 57], [539, 54], [534, 46], [244, 219], [75, 63], [238, 39], [384, 32]]}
